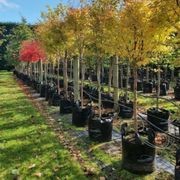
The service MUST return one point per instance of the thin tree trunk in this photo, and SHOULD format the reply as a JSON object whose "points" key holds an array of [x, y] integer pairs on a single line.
{"points": [[158, 87], [71, 69], [121, 76], [45, 73], [127, 82], [58, 77], [76, 78], [99, 86], [102, 73], [172, 75], [110, 77], [147, 73], [41, 72], [135, 99], [82, 81], [116, 82], [65, 75]]}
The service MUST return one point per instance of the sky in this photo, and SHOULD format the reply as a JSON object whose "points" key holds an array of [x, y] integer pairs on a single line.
{"points": [[14, 10]]}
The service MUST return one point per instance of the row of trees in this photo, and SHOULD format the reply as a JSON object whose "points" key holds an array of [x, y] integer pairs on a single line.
{"points": [[135, 32]]}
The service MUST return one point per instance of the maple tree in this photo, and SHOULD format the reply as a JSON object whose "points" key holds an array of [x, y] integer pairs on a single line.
{"points": [[78, 29], [31, 51], [140, 38]]}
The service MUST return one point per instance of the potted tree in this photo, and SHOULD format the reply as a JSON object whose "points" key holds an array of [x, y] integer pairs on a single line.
{"points": [[102, 15], [136, 37]]}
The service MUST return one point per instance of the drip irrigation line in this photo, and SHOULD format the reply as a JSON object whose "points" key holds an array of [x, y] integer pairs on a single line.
{"points": [[175, 137]]}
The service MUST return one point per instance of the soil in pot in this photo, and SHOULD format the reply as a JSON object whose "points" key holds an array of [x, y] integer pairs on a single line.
{"points": [[158, 119], [137, 156]]}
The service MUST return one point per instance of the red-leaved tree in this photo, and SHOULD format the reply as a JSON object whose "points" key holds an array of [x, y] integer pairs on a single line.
{"points": [[31, 51]]}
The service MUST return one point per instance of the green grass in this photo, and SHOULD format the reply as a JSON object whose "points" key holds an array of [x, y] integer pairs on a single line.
{"points": [[28, 147]]}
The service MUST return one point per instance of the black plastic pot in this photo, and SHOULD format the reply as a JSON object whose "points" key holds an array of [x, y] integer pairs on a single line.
{"points": [[56, 99], [43, 90], [47, 92], [163, 89], [38, 86], [93, 77], [51, 92], [65, 106], [139, 85], [147, 87], [126, 109], [100, 129], [177, 167], [137, 156], [107, 100], [80, 116], [177, 92], [158, 118]]}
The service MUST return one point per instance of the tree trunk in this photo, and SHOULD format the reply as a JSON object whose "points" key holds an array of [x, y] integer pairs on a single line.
{"points": [[45, 72], [58, 77], [172, 75], [65, 75], [76, 78], [82, 80], [147, 73], [99, 85], [116, 82], [121, 76], [127, 82], [41, 72], [110, 77], [135, 99], [158, 87], [71, 69]]}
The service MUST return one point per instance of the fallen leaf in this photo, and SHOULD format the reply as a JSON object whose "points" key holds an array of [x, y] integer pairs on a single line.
{"points": [[102, 178], [38, 174], [32, 166]]}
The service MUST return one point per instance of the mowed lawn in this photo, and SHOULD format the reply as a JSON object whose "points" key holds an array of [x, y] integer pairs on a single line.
{"points": [[29, 149]]}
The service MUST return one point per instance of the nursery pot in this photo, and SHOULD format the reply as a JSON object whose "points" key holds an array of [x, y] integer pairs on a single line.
{"points": [[147, 87], [38, 86], [126, 109], [47, 92], [177, 166], [137, 156], [107, 101], [43, 90], [56, 99], [51, 92], [80, 115], [139, 85], [159, 118], [65, 106], [177, 92], [100, 129], [163, 89]]}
